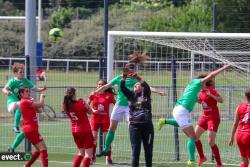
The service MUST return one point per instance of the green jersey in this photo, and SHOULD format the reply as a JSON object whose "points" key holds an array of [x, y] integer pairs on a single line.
{"points": [[130, 83], [13, 84], [190, 95]]}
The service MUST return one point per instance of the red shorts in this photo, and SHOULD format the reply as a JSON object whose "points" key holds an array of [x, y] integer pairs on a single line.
{"points": [[104, 126], [243, 143], [83, 139], [34, 137], [210, 124]]}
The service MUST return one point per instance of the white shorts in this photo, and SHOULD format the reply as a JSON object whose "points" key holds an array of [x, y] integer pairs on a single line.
{"points": [[13, 106], [119, 112], [182, 116]]}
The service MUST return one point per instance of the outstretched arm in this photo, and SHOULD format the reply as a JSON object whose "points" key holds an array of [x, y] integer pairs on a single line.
{"points": [[40, 103], [214, 73], [154, 90], [40, 89], [234, 128], [103, 88]]}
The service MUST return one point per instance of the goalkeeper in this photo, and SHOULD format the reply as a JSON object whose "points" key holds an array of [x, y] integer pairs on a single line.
{"points": [[141, 128], [184, 106], [121, 108]]}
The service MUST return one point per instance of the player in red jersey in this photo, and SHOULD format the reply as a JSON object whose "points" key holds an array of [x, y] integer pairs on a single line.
{"points": [[28, 108], [209, 121], [100, 116], [77, 110], [242, 122]]}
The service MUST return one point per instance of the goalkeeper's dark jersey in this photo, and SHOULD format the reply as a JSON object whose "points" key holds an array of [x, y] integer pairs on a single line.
{"points": [[139, 104]]}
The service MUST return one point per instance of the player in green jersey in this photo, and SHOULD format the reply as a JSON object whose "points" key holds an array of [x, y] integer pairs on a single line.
{"points": [[121, 108], [11, 90], [184, 106]]}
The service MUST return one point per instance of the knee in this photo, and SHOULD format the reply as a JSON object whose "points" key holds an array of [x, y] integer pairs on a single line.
{"points": [[211, 142]]}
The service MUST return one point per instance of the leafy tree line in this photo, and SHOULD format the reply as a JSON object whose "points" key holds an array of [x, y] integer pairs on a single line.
{"points": [[83, 38]]}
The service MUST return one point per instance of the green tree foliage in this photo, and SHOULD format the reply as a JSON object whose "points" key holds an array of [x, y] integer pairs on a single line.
{"points": [[233, 16], [61, 18], [193, 17]]}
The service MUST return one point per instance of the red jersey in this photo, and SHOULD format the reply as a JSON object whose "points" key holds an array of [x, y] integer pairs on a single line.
{"points": [[243, 112], [30, 122], [209, 105], [101, 102], [78, 116]]}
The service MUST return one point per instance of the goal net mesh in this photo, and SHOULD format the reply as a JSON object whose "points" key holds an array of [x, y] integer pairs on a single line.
{"points": [[186, 57]]}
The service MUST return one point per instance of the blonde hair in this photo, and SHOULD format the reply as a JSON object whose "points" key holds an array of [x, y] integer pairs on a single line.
{"points": [[17, 66]]}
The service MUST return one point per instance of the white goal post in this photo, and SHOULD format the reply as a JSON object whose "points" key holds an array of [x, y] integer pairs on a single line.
{"points": [[176, 35], [185, 54]]}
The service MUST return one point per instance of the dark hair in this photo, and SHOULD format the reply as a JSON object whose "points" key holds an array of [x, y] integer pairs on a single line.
{"points": [[21, 90], [209, 82], [68, 97], [247, 94], [110, 89]]}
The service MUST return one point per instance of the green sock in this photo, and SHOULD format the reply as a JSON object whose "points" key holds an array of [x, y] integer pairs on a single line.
{"points": [[191, 149], [19, 138], [17, 117], [109, 139], [171, 122]]}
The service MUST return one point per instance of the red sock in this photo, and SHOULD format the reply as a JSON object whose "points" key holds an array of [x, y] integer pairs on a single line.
{"points": [[243, 165], [44, 158], [216, 153], [109, 154], [94, 151], [35, 155], [199, 148], [86, 162], [77, 161]]}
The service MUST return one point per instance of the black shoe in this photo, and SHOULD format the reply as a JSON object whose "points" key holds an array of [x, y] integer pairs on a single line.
{"points": [[16, 129], [104, 153], [11, 150]]}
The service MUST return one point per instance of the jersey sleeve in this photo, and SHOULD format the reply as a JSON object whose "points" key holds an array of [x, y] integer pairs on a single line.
{"points": [[214, 92], [116, 80], [9, 84], [84, 105], [112, 99], [91, 97], [30, 84]]}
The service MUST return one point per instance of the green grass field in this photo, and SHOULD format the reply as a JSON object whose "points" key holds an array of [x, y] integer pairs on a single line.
{"points": [[61, 147], [60, 142]]}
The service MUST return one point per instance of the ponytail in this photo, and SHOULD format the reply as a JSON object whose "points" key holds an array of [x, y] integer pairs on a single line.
{"points": [[68, 98]]}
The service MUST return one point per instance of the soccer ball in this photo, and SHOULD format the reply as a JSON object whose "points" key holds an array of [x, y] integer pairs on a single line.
{"points": [[55, 34]]}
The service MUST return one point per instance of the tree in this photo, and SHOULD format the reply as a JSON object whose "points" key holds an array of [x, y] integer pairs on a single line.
{"points": [[61, 18]]}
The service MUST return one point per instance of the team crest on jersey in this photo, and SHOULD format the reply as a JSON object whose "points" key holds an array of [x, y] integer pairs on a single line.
{"points": [[16, 90], [246, 117]]}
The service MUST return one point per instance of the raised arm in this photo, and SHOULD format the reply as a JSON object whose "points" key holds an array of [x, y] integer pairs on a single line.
{"points": [[214, 73], [39, 89], [154, 90], [103, 88], [40, 103], [124, 89]]}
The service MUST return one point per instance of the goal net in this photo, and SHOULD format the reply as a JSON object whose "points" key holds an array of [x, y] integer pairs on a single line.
{"points": [[175, 58]]}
